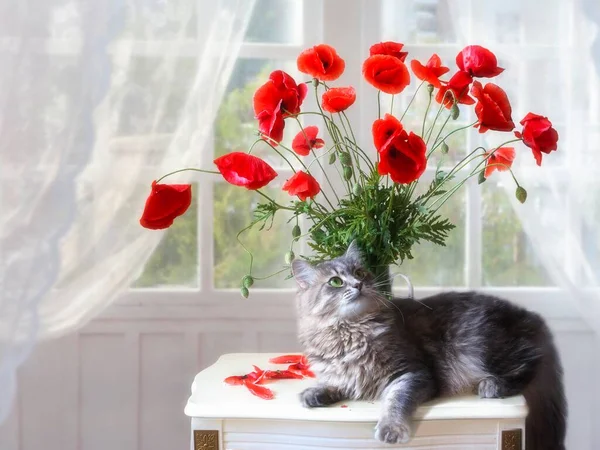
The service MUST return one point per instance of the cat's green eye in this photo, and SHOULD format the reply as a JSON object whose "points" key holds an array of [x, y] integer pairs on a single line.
{"points": [[360, 274], [336, 282]]}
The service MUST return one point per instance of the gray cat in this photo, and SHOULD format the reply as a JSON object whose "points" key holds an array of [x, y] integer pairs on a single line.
{"points": [[363, 346]]}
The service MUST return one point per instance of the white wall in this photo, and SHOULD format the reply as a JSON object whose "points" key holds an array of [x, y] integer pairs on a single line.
{"points": [[121, 382]]}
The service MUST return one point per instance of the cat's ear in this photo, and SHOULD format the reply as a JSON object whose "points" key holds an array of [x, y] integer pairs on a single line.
{"points": [[353, 253], [304, 273]]}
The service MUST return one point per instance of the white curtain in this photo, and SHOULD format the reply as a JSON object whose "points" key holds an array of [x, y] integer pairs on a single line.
{"points": [[562, 213], [81, 138]]}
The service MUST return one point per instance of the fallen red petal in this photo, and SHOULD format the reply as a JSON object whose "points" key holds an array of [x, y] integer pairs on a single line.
{"points": [[344, 406], [235, 380], [287, 359], [281, 375], [259, 391]]}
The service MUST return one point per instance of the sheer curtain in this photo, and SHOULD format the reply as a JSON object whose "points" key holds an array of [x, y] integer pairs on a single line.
{"points": [[91, 109], [556, 50]]}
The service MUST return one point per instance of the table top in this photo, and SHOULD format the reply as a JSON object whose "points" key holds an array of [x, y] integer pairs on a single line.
{"points": [[212, 398]]}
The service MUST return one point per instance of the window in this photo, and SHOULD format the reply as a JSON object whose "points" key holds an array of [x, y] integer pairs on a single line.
{"points": [[487, 250]]}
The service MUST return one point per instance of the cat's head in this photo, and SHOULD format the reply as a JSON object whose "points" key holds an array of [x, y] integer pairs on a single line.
{"points": [[341, 287]]}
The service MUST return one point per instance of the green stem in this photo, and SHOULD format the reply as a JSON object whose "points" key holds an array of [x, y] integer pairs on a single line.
{"points": [[449, 194], [237, 237], [439, 112], [333, 136], [411, 100], [437, 144], [351, 152], [318, 162], [188, 169], [440, 130], [274, 202], [425, 116], [392, 106], [253, 144], [271, 275]]}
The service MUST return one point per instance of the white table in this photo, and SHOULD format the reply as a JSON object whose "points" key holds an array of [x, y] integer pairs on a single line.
{"points": [[225, 417]]}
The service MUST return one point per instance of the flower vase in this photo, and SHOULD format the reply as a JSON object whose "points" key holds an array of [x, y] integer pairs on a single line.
{"points": [[383, 279]]}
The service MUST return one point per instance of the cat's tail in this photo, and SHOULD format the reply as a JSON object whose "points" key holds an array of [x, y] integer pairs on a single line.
{"points": [[546, 423]]}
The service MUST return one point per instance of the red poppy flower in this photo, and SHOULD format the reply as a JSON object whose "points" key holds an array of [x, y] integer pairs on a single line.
{"points": [[403, 158], [384, 129], [307, 140], [386, 73], [539, 135], [459, 86], [287, 359], [501, 160], [338, 99], [431, 72], [321, 62], [242, 169], [280, 89], [478, 61], [278, 98], [493, 108], [271, 125], [388, 48], [302, 185], [164, 204]]}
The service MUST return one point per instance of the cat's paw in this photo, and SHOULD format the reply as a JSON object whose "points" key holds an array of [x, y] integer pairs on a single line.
{"points": [[489, 388], [315, 397], [392, 432]]}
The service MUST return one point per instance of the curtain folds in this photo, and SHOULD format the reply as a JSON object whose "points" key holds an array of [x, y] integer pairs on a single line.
{"points": [[92, 108]]}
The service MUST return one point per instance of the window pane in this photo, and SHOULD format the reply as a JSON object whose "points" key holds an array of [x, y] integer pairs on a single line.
{"points": [[233, 211], [175, 260], [276, 21], [434, 265], [418, 21], [508, 257]]}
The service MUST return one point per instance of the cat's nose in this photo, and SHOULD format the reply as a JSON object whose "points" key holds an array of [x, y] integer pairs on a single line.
{"points": [[358, 285]]}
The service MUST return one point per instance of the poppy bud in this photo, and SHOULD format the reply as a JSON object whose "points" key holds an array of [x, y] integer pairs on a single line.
{"points": [[245, 292], [247, 281], [347, 173], [454, 111], [521, 194], [430, 88], [332, 158], [445, 148], [481, 178], [357, 190], [345, 159], [296, 232], [289, 257]]}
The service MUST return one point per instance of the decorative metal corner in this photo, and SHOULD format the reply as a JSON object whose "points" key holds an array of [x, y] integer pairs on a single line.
{"points": [[207, 440], [512, 439]]}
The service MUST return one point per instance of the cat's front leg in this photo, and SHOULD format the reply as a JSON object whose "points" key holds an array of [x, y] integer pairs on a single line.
{"points": [[399, 401], [321, 395]]}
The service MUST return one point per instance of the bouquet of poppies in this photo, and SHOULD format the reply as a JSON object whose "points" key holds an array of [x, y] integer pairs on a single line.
{"points": [[373, 199]]}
